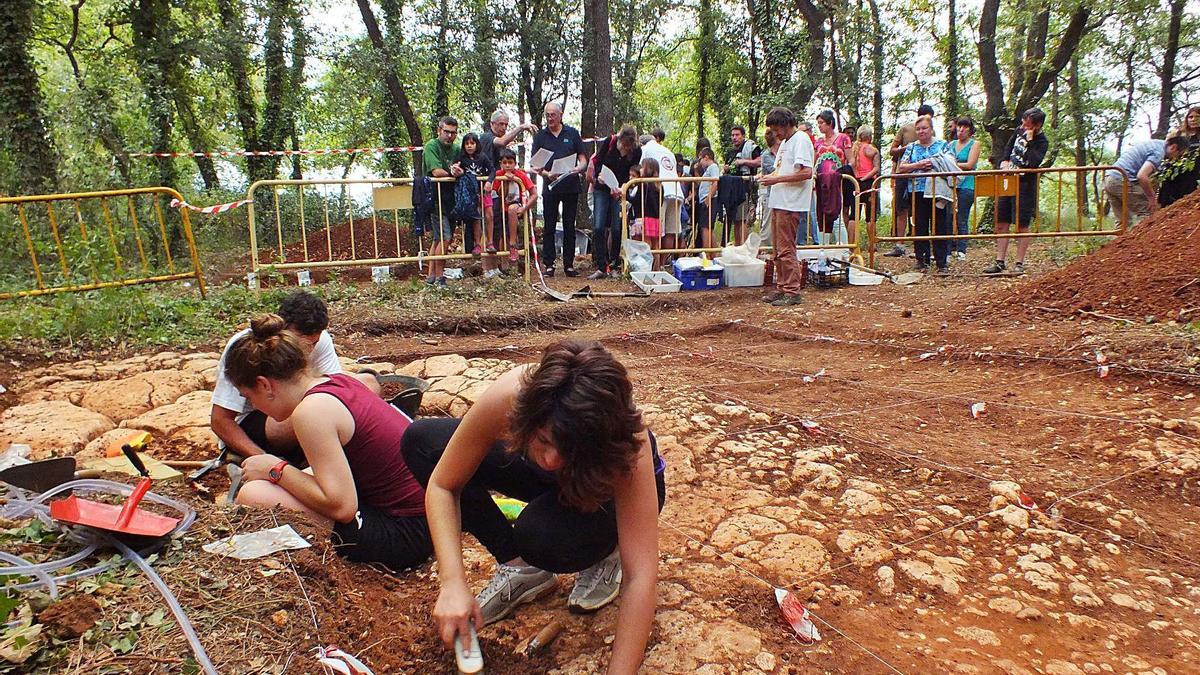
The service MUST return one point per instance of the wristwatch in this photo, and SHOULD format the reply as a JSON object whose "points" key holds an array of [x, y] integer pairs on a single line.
{"points": [[276, 472]]}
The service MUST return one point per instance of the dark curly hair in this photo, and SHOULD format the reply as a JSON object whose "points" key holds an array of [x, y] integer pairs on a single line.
{"points": [[304, 312], [581, 396]]}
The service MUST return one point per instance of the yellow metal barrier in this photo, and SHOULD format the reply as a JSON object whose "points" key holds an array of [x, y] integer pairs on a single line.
{"points": [[755, 223], [95, 257], [995, 184], [351, 237]]}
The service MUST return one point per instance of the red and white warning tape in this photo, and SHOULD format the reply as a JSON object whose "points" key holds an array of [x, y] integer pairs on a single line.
{"points": [[209, 210], [285, 153]]}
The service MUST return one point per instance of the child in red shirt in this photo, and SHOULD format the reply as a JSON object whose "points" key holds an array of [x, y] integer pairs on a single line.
{"points": [[519, 196]]}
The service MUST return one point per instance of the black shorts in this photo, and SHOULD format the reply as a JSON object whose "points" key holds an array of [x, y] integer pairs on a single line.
{"points": [[255, 426], [1006, 205], [702, 219], [397, 542]]}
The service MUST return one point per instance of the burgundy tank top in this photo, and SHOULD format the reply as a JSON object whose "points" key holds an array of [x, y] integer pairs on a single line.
{"points": [[381, 477]]}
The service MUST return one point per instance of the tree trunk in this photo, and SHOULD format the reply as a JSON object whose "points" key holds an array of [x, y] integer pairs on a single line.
{"points": [[603, 75], [835, 80], [485, 54], [296, 89], [1035, 74], [21, 105], [441, 93], [274, 127], [1077, 118], [1166, 100], [587, 79], [196, 134], [396, 91], [952, 66], [877, 72], [233, 43], [147, 16], [705, 46], [814, 20], [1130, 91]]}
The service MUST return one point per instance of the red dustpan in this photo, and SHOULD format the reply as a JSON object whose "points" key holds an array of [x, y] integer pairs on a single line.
{"points": [[127, 519]]}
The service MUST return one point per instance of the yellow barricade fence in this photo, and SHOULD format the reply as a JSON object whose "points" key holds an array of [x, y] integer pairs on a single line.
{"points": [[705, 218], [319, 224], [90, 240], [995, 184]]}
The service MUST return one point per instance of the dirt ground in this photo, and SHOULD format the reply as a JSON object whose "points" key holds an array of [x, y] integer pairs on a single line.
{"points": [[828, 448]]}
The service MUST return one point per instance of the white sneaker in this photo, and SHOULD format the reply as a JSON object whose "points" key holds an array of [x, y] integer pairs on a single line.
{"points": [[491, 274], [960, 255], [596, 586]]}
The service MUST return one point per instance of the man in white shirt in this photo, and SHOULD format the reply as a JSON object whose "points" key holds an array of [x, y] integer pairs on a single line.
{"points": [[791, 196], [672, 190], [247, 431]]}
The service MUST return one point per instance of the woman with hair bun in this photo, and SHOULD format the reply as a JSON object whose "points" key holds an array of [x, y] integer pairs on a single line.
{"points": [[565, 436], [358, 483]]}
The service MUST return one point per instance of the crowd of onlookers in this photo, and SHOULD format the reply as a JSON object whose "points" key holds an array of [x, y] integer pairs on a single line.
{"points": [[638, 188]]}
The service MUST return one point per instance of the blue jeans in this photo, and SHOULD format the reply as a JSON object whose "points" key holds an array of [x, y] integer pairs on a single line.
{"points": [[606, 228], [806, 230], [966, 199]]}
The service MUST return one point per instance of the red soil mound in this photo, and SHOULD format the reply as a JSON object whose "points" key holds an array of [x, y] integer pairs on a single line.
{"points": [[1153, 270], [365, 236]]}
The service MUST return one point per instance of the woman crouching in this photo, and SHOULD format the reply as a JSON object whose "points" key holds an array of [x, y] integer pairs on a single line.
{"points": [[359, 484], [565, 436]]}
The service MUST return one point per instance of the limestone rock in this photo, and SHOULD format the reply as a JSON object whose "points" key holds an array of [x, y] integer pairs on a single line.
{"points": [[1005, 605], [982, 636], [51, 428], [864, 550], [1015, 517], [743, 527], [444, 366], [860, 503], [788, 556], [922, 572], [191, 410], [1124, 600], [1057, 667], [886, 578], [132, 396], [1006, 488]]}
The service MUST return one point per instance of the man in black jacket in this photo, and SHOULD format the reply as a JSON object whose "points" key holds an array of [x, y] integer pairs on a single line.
{"points": [[1026, 150]]}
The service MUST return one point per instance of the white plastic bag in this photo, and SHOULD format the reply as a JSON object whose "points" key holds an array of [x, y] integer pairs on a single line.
{"points": [[637, 255]]}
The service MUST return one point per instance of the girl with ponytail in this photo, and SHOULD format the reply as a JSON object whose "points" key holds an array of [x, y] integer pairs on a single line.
{"points": [[358, 483], [565, 436]]}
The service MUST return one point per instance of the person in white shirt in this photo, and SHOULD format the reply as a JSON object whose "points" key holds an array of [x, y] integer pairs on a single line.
{"points": [[791, 196], [672, 191], [246, 431]]}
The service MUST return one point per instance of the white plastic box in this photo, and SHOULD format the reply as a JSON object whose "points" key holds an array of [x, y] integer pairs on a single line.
{"points": [[656, 282], [744, 274]]}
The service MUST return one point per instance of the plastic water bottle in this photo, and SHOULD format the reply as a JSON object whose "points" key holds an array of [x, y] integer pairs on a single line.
{"points": [[822, 262]]}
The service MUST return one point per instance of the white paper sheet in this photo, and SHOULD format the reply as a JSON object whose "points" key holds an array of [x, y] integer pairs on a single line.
{"points": [[564, 165], [540, 158], [609, 178], [258, 544]]}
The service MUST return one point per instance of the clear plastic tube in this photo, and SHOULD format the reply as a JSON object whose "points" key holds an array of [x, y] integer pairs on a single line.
{"points": [[29, 569], [172, 602]]}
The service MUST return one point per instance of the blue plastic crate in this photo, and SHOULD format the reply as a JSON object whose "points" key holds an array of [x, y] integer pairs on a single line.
{"points": [[700, 279]]}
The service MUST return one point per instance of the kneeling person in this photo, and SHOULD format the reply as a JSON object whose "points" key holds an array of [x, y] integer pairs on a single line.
{"points": [[358, 483], [565, 436], [247, 431]]}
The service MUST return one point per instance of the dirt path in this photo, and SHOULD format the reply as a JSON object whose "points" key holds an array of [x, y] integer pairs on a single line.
{"points": [[894, 519]]}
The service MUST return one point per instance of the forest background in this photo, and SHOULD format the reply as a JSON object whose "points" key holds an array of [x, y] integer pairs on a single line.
{"points": [[83, 83]]}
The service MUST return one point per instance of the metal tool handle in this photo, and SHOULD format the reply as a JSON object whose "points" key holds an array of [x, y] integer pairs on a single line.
{"points": [[136, 461]]}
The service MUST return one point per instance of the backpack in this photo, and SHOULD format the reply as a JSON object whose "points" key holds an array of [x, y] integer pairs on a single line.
{"points": [[466, 198]]}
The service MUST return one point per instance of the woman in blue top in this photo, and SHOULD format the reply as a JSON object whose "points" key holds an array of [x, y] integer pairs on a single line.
{"points": [[966, 155], [917, 158]]}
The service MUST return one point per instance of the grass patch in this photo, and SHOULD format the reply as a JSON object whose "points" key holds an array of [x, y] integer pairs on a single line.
{"points": [[169, 315]]}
